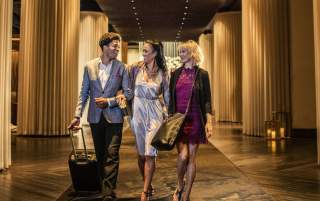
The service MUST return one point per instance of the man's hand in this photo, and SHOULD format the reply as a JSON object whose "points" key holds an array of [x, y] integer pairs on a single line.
{"points": [[101, 102], [121, 100], [74, 125]]}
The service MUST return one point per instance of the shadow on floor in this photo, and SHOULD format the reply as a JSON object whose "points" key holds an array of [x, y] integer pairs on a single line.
{"points": [[70, 195]]}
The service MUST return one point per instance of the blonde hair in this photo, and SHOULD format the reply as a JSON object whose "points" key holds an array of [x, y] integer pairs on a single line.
{"points": [[194, 50]]}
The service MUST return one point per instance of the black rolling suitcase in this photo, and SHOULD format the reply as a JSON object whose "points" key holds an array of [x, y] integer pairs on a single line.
{"points": [[84, 168]]}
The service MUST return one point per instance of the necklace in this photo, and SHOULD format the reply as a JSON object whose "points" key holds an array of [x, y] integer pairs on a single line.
{"points": [[151, 73]]}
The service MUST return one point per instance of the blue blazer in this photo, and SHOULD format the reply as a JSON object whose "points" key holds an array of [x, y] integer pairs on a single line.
{"points": [[91, 87]]}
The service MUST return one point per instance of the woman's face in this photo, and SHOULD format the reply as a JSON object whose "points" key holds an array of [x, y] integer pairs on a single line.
{"points": [[185, 56], [148, 53]]}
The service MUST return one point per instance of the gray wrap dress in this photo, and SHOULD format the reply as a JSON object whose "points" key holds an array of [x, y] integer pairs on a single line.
{"points": [[147, 110]]}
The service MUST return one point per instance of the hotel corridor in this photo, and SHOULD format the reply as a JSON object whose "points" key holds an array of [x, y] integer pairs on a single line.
{"points": [[254, 66], [229, 169]]}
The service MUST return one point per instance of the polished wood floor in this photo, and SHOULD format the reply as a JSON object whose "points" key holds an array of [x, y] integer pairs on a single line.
{"points": [[39, 170], [249, 169], [286, 169]]}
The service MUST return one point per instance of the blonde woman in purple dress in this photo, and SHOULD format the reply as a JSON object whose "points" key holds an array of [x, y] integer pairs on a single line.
{"points": [[198, 123]]}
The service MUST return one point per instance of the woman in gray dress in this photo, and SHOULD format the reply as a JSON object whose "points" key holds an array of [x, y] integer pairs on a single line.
{"points": [[150, 84]]}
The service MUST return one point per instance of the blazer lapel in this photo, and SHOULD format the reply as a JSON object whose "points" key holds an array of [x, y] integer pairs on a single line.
{"points": [[111, 72], [96, 71]]}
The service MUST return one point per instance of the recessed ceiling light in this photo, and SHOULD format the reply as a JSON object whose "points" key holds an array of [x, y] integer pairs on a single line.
{"points": [[133, 8], [185, 13]]}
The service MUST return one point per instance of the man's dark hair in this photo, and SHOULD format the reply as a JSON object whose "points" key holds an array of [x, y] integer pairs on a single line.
{"points": [[107, 38]]}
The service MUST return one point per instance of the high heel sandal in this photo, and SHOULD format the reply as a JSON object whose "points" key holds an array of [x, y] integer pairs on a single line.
{"points": [[151, 190], [145, 196], [178, 193]]}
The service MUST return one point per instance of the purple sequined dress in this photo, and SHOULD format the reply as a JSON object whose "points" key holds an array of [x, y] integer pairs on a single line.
{"points": [[192, 129]]}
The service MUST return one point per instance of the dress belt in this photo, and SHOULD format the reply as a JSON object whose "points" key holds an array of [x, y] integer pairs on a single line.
{"points": [[148, 98]]}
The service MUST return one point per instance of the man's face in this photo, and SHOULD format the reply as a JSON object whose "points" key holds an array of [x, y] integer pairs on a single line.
{"points": [[112, 49]]}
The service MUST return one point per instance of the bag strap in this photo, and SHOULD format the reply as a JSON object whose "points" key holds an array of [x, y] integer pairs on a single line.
{"points": [[189, 102]]}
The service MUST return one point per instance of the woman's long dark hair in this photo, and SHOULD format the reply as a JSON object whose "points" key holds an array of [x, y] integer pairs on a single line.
{"points": [[160, 59]]}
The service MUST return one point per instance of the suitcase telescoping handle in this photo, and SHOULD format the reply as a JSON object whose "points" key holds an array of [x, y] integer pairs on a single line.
{"points": [[71, 131]]}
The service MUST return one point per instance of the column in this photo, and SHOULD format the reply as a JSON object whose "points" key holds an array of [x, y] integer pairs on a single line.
{"points": [[14, 85], [48, 73], [124, 52], [227, 66], [316, 18], [92, 26], [170, 49], [265, 62], [5, 82], [206, 45]]}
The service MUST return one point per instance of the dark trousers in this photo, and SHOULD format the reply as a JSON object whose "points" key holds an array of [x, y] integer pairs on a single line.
{"points": [[107, 139]]}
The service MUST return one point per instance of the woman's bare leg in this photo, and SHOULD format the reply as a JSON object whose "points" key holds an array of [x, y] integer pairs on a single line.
{"points": [[149, 168], [141, 161], [182, 161], [191, 170]]}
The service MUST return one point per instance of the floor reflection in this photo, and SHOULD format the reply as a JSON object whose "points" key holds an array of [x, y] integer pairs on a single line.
{"points": [[286, 168], [276, 146]]}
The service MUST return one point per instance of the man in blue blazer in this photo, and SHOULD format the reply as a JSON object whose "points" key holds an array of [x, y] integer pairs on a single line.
{"points": [[103, 78]]}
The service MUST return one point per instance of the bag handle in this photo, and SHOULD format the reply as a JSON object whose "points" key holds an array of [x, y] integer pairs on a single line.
{"points": [[189, 102], [73, 146]]}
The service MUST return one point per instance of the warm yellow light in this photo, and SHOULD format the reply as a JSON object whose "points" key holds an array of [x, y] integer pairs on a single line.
{"points": [[273, 135], [282, 132], [273, 146], [269, 132]]}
